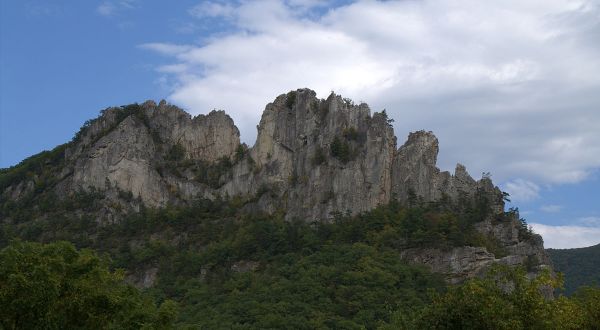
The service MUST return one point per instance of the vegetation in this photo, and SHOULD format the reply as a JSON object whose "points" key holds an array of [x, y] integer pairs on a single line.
{"points": [[342, 150], [176, 153], [55, 286], [580, 266], [346, 148], [121, 113], [240, 152], [210, 173], [504, 299], [351, 134], [319, 157], [290, 99], [40, 168], [345, 274]]}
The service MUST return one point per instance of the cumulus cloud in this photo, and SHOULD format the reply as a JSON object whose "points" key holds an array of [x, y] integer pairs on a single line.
{"points": [[522, 190], [567, 237], [551, 208], [109, 8], [212, 9], [508, 87], [590, 221]]}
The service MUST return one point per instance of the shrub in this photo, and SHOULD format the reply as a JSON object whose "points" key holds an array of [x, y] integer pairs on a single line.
{"points": [[319, 157], [176, 153], [341, 150], [290, 99]]}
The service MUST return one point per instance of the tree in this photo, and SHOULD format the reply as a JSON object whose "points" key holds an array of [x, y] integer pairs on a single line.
{"points": [[55, 286], [504, 299]]}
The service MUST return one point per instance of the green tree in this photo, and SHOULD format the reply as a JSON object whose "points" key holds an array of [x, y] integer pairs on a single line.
{"points": [[55, 286], [504, 299]]}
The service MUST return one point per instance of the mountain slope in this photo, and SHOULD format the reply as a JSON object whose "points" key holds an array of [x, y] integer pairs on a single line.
{"points": [[581, 267], [313, 158]]}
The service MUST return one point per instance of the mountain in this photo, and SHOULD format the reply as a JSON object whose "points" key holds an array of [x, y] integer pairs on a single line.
{"points": [[313, 159], [579, 266]]}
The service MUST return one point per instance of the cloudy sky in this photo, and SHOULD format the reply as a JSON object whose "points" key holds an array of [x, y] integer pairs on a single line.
{"points": [[509, 87]]}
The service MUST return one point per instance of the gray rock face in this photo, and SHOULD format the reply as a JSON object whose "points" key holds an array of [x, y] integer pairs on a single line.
{"points": [[462, 263], [312, 157], [293, 157], [458, 264], [123, 159], [415, 171], [127, 155], [204, 137]]}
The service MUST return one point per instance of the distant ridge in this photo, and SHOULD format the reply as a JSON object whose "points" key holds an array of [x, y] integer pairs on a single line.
{"points": [[580, 266]]}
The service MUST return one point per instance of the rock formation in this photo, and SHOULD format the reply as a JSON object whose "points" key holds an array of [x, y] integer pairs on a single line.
{"points": [[312, 157]]}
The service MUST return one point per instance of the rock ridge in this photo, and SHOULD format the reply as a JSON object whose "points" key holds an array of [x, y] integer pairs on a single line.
{"points": [[312, 158]]}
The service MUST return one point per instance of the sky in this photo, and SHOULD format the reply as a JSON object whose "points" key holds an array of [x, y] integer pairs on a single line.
{"points": [[508, 87]]}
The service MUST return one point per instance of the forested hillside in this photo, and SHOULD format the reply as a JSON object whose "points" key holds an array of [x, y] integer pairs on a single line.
{"points": [[151, 219], [228, 269], [580, 266]]}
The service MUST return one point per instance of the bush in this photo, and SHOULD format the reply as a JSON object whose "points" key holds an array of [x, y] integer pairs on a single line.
{"points": [[290, 99], [341, 150], [319, 157], [55, 286], [176, 153], [351, 134]]}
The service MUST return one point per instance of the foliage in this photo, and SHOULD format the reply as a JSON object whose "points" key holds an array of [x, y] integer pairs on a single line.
{"points": [[346, 273], [580, 266], [55, 286], [121, 113], [337, 286], [319, 157], [40, 168], [176, 153], [240, 152], [388, 120], [346, 148], [210, 173], [504, 299], [43, 169], [290, 99], [352, 134], [342, 150]]}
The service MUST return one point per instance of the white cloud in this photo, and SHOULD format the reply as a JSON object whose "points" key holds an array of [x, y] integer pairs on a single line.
{"points": [[106, 8], [212, 9], [167, 49], [551, 208], [567, 237], [590, 221], [508, 87], [522, 190], [110, 8]]}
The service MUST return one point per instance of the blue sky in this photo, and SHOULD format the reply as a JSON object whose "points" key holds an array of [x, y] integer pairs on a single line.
{"points": [[508, 88]]}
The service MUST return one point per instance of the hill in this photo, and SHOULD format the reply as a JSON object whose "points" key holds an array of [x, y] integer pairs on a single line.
{"points": [[581, 267], [313, 158], [324, 222]]}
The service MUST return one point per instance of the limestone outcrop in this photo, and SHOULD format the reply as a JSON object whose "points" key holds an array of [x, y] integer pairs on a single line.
{"points": [[312, 157], [462, 263]]}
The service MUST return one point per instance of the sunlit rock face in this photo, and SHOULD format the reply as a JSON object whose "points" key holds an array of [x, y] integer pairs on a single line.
{"points": [[318, 156], [312, 157]]}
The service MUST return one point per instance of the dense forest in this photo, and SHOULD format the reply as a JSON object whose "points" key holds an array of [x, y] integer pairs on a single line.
{"points": [[580, 266], [209, 264], [218, 267]]}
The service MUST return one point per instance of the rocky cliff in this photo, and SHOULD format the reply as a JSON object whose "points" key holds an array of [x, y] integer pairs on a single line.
{"points": [[312, 157]]}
